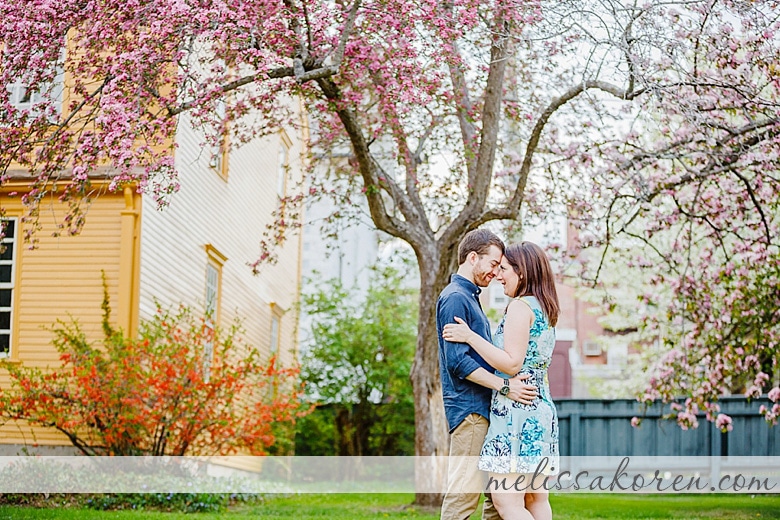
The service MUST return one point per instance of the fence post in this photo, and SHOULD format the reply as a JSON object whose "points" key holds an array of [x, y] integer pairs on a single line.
{"points": [[575, 430], [715, 452], [575, 441]]}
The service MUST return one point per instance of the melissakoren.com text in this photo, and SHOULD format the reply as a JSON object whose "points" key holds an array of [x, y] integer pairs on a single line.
{"points": [[626, 479]]}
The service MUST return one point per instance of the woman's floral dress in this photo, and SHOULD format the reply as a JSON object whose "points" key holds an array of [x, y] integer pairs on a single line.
{"points": [[521, 437]]}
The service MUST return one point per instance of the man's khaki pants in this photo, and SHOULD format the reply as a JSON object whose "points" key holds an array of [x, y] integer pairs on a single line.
{"points": [[462, 473]]}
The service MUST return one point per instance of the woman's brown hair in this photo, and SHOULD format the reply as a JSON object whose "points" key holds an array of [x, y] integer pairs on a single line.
{"points": [[536, 277]]}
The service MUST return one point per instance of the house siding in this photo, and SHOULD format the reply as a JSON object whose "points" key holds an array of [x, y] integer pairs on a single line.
{"points": [[159, 255], [229, 213], [61, 278]]}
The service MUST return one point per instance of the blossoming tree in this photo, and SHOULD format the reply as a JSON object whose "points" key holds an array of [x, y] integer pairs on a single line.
{"points": [[452, 114], [712, 333]]}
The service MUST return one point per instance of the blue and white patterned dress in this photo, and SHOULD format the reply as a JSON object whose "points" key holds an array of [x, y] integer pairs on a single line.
{"points": [[521, 436]]}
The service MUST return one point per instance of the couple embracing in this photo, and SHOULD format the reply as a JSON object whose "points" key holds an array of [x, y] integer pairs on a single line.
{"points": [[496, 395]]}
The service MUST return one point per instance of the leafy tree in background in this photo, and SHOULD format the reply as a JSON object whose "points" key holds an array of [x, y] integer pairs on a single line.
{"points": [[447, 114], [159, 394], [356, 363]]}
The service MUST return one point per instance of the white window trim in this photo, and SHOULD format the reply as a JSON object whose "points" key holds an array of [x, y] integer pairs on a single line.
{"points": [[14, 241], [591, 348]]}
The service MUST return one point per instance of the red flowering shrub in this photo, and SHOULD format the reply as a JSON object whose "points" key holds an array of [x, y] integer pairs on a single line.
{"points": [[181, 388]]}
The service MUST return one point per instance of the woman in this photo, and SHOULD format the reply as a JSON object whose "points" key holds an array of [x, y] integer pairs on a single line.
{"points": [[521, 437]]}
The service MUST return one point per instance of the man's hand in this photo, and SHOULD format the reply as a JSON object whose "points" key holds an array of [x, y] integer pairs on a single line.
{"points": [[520, 391]]}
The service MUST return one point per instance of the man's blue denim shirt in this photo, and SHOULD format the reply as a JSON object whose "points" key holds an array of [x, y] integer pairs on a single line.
{"points": [[457, 360]]}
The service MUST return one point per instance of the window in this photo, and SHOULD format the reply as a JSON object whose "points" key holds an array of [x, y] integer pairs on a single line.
{"points": [[24, 97], [215, 261], [8, 251], [498, 300], [218, 159], [212, 290], [276, 322], [283, 165], [274, 334], [591, 348]]}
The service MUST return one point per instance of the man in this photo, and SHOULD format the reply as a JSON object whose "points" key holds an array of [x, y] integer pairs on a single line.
{"points": [[467, 380]]}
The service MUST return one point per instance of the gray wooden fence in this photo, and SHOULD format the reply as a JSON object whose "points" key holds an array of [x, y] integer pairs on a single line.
{"points": [[596, 427]]}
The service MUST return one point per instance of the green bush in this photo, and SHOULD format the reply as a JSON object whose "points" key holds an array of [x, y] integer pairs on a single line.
{"points": [[168, 502], [356, 365]]}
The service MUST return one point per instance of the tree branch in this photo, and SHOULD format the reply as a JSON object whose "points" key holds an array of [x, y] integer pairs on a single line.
{"points": [[760, 210], [399, 197], [303, 48], [481, 174], [716, 230], [628, 40], [367, 168], [281, 72], [463, 105], [512, 209], [409, 202], [732, 155], [77, 109], [348, 25], [299, 72]]}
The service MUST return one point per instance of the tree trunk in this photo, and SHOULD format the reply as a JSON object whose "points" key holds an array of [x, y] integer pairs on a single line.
{"points": [[431, 436]]}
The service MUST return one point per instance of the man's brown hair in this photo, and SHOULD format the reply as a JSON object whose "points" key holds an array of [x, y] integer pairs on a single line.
{"points": [[479, 241]]}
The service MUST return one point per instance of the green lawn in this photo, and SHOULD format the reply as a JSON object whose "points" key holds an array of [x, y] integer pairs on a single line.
{"points": [[349, 507]]}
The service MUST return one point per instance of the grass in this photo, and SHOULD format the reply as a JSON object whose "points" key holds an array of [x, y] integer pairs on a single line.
{"points": [[641, 507], [395, 506]]}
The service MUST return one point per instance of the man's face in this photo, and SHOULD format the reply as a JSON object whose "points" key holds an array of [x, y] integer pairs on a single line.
{"points": [[486, 267]]}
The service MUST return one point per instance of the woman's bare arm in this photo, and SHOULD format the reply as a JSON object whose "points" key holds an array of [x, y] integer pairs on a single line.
{"points": [[517, 328]]}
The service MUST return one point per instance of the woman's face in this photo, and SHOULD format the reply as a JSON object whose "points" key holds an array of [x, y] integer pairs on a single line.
{"points": [[508, 278]]}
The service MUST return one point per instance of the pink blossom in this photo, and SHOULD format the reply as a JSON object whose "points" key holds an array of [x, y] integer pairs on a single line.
{"points": [[723, 422]]}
